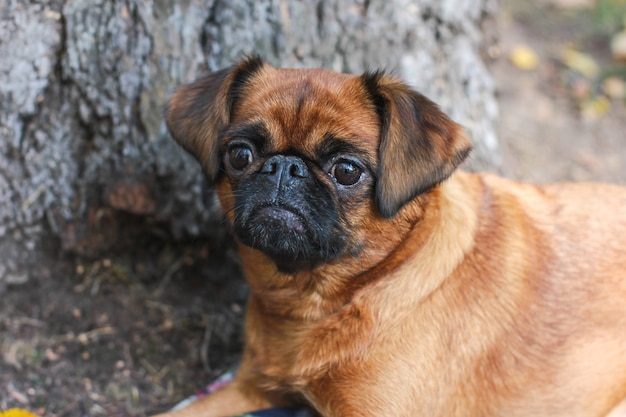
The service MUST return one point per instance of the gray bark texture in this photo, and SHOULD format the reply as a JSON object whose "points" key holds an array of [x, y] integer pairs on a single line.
{"points": [[83, 147]]}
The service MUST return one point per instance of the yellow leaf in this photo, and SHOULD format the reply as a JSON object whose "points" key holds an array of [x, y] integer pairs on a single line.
{"points": [[596, 107], [16, 412], [580, 62], [524, 57]]}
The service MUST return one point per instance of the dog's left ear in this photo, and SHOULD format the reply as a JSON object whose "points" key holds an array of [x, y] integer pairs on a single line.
{"points": [[419, 145]]}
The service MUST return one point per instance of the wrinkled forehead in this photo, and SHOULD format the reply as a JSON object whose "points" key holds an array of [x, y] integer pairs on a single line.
{"points": [[300, 109]]}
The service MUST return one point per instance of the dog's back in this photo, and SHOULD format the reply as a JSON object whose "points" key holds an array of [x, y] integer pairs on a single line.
{"points": [[568, 334]]}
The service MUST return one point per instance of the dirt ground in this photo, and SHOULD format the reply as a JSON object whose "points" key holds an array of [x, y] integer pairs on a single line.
{"points": [[135, 332]]}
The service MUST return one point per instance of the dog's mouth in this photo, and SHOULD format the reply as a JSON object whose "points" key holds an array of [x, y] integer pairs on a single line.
{"points": [[284, 233], [281, 216]]}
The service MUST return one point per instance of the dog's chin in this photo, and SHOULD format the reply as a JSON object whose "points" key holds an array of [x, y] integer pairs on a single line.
{"points": [[292, 241]]}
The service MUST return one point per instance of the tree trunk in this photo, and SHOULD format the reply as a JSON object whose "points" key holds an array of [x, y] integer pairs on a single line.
{"points": [[85, 156]]}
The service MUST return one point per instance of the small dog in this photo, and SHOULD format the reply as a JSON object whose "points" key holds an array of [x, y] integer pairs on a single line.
{"points": [[384, 281]]}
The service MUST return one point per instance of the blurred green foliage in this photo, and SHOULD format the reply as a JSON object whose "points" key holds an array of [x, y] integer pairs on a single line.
{"points": [[610, 16]]}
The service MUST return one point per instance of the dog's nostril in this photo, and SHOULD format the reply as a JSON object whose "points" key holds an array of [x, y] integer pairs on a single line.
{"points": [[269, 167], [290, 166], [298, 170]]}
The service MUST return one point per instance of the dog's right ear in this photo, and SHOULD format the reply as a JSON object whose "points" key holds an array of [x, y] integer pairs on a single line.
{"points": [[198, 112]]}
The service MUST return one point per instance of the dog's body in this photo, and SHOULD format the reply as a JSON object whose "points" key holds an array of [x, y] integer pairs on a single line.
{"points": [[473, 296]]}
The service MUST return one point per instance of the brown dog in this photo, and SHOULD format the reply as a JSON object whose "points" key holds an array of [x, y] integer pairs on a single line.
{"points": [[379, 289]]}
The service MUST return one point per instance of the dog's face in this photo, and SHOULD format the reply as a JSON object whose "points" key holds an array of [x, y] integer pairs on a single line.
{"points": [[307, 162]]}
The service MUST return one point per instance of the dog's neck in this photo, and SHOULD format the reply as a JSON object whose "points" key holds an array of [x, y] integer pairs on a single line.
{"points": [[433, 224]]}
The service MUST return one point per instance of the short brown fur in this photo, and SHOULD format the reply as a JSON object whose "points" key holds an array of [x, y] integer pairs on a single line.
{"points": [[467, 296]]}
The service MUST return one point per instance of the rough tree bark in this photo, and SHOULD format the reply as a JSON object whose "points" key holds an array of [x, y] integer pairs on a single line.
{"points": [[83, 82]]}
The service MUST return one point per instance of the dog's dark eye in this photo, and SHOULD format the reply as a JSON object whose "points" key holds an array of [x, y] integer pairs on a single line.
{"points": [[240, 157], [346, 172]]}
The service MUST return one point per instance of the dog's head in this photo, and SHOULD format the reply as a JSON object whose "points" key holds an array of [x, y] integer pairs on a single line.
{"points": [[305, 160]]}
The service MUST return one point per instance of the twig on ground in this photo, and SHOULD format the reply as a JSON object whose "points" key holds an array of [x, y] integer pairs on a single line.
{"points": [[204, 348], [167, 276]]}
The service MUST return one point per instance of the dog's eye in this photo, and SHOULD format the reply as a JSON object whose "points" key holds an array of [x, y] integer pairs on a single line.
{"points": [[240, 157], [346, 172]]}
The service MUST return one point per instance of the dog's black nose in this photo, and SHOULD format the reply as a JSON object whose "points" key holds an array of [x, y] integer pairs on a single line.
{"points": [[285, 167]]}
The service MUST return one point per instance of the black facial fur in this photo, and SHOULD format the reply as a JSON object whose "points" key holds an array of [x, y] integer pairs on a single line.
{"points": [[283, 210]]}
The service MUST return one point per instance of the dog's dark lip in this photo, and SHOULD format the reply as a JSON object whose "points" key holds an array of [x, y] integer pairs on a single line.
{"points": [[284, 213]]}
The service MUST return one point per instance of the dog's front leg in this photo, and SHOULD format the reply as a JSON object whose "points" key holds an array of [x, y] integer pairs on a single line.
{"points": [[242, 395], [231, 400]]}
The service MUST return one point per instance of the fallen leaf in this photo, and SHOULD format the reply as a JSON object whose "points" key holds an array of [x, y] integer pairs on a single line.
{"points": [[524, 57], [52, 355], [581, 88], [595, 107], [11, 356], [614, 87], [580, 62], [16, 412], [618, 46], [18, 396], [588, 160]]}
